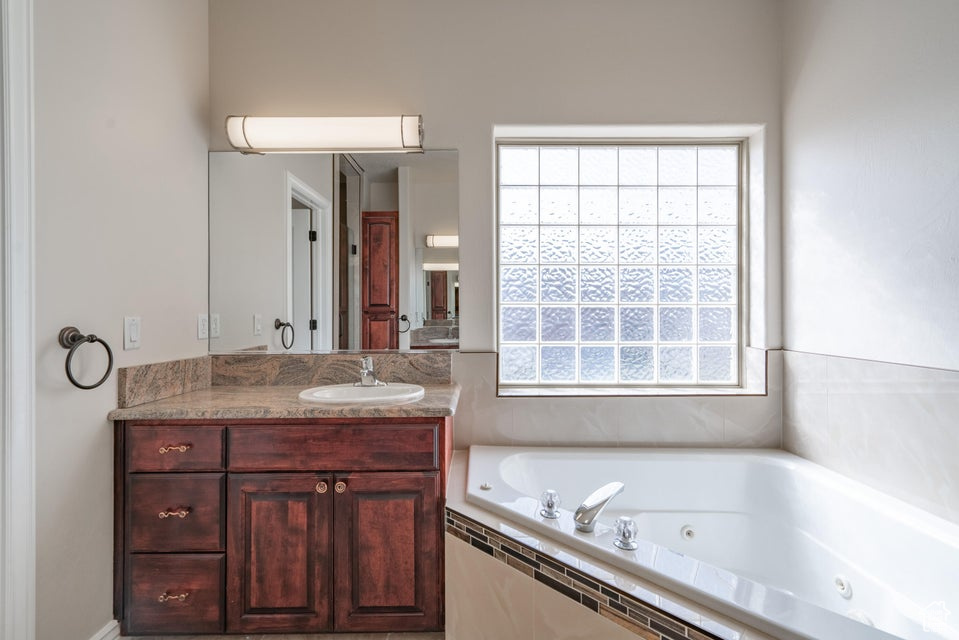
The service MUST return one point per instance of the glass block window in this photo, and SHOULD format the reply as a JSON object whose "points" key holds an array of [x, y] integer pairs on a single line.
{"points": [[619, 265]]}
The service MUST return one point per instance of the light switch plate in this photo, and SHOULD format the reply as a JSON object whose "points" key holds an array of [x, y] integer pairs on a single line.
{"points": [[131, 332], [257, 324]]}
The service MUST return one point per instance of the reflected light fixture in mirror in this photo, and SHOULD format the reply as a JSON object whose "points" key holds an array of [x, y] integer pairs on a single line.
{"points": [[441, 266], [442, 241], [254, 134]]}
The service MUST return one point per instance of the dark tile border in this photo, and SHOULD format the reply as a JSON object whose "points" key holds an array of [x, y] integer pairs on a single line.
{"points": [[642, 618]]}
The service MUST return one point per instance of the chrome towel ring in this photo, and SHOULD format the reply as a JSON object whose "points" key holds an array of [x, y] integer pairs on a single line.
{"points": [[278, 324], [71, 338]]}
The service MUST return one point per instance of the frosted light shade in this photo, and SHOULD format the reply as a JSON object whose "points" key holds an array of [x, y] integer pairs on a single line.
{"points": [[368, 134], [442, 241]]}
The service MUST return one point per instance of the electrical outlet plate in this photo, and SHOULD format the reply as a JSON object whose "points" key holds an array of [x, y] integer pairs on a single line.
{"points": [[202, 327], [257, 324], [214, 325]]}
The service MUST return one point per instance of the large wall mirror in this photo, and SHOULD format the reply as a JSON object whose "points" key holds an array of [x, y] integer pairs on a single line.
{"points": [[319, 252]]}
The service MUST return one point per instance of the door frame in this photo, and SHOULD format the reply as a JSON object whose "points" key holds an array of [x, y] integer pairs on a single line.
{"points": [[18, 542], [346, 165], [322, 266]]}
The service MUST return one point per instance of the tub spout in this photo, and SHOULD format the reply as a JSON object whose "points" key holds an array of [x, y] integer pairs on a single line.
{"points": [[592, 506]]}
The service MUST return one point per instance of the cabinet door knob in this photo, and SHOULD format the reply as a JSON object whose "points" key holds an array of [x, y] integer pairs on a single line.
{"points": [[182, 448], [340, 487], [321, 486], [169, 597]]}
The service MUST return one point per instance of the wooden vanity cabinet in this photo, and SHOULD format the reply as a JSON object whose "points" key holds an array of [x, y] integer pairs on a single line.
{"points": [[297, 526]]}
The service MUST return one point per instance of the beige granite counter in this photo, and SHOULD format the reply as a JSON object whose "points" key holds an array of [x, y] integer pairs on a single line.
{"points": [[279, 402]]}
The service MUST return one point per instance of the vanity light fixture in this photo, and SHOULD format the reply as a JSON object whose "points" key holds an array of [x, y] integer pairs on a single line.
{"points": [[442, 241], [383, 134], [441, 266]]}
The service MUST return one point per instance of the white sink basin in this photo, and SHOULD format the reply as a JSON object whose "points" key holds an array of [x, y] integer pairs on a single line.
{"points": [[445, 340], [393, 393]]}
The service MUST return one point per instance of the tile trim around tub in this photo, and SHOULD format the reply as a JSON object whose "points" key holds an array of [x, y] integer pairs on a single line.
{"points": [[645, 620]]}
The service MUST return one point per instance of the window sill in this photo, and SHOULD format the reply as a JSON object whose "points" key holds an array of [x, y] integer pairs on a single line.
{"points": [[754, 371], [623, 392]]}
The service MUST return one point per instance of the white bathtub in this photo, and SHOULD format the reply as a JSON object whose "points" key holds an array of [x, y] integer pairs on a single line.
{"points": [[778, 542]]}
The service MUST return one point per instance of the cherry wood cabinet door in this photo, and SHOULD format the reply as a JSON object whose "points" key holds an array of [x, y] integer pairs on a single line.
{"points": [[278, 552], [387, 567]]}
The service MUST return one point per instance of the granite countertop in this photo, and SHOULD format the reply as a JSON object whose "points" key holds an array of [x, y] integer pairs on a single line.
{"points": [[266, 402]]}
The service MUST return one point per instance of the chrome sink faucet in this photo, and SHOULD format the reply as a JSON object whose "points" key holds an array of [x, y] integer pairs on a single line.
{"points": [[593, 505], [367, 378]]}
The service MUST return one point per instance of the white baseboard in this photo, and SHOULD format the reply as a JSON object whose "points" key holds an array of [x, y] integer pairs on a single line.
{"points": [[111, 631]]}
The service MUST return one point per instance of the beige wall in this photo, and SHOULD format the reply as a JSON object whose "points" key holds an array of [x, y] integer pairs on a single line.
{"points": [[871, 200], [871, 204], [121, 120]]}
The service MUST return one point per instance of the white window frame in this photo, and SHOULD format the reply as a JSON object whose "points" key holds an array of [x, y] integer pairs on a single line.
{"points": [[751, 301]]}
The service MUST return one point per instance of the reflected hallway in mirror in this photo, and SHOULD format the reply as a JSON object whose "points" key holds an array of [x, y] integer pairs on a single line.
{"points": [[287, 244]]}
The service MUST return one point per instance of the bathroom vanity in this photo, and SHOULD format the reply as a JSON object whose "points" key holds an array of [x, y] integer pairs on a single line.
{"points": [[242, 510]]}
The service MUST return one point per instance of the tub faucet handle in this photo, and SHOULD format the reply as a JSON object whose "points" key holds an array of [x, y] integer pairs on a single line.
{"points": [[626, 533], [550, 501]]}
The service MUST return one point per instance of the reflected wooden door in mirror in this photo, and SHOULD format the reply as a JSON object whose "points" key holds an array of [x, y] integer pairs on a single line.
{"points": [[381, 264], [438, 295]]}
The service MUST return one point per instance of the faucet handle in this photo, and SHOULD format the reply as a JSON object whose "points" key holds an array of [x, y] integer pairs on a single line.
{"points": [[626, 531], [550, 501], [366, 363]]}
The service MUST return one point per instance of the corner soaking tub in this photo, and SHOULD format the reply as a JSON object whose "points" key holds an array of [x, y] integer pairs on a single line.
{"points": [[771, 539]]}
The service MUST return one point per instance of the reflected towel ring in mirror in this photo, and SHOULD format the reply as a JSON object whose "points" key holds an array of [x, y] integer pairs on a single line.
{"points": [[278, 324], [71, 338], [403, 318]]}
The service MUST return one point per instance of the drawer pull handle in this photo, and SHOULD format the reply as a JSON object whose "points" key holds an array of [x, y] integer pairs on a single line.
{"points": [[182, 448], [321, 487], [182, 512], [340, 487], [167, 597]]}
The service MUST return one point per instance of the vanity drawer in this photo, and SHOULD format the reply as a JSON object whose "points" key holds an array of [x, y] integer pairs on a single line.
{"points": [[377, 447], [174, 448], [176, 512], [157, 584]]}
